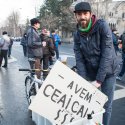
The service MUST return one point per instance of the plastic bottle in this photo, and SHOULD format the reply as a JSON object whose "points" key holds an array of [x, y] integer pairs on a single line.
{"points": [[90, 120]]}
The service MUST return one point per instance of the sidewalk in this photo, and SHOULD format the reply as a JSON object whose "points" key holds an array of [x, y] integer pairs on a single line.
{"points": [[10, 60]]}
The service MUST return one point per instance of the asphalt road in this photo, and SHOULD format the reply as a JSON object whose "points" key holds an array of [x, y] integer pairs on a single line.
{"points": [[13, 104]]}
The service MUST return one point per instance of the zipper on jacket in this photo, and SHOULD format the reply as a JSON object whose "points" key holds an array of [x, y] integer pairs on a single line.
{"points": [[87, 38]]}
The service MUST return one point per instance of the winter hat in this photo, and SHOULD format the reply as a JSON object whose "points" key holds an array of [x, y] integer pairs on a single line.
{"points": [[82, 6], [34, 21]]}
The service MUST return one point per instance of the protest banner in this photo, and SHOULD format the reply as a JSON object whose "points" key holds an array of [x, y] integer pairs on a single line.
{"points": [[65, 96]]}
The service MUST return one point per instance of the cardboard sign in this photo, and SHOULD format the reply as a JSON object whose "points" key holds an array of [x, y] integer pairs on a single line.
{"points": [[65, 96]]}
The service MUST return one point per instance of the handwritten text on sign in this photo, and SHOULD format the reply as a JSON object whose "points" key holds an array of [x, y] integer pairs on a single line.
{"points": [[66, 96]]}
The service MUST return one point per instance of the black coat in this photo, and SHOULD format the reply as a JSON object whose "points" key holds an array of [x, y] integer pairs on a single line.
{"points": [[24, 41], [34, 44], [122, 37], [94, 52], [49, 48]]}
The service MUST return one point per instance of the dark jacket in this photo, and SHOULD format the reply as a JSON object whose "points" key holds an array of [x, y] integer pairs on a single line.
{"points": [[24, 41], [34, 44], [57, 40], [94, 52], [122, 38], [49, 48], [115, 39]]}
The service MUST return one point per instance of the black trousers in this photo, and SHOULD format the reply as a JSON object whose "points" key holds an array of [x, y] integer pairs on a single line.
{"points": [[45, 60], [4, 55], [25, 50], [50, 60], [9, 51], [123, 65], [57, 52]]}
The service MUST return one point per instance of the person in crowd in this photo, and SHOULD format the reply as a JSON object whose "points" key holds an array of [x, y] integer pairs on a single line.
{"points": [[24, 44], [5, 42], [94, 53], [57, 41], [48, 49], [115, 40], [51, 59], [34, 45], [10, 47], [122, 38]]}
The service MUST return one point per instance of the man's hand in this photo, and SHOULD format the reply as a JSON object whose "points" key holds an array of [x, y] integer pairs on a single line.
{"points": [[96, 84]]}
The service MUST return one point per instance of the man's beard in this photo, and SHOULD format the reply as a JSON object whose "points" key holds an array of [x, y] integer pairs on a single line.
{"points": [[83, 23]]}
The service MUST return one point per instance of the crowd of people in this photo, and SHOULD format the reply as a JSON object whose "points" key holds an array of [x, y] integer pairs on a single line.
{"points": [[95, 46], [40, 46], [119, 46]]}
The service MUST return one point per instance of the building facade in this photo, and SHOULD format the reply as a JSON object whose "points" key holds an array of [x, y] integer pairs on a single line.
{"points": [[116, 16]]}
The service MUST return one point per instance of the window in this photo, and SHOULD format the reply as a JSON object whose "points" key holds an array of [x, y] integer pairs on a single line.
{"points": [[123, 16], [111, 14]]}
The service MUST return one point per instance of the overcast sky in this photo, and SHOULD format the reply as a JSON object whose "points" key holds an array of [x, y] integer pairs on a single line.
{"points": [[26, 8]]}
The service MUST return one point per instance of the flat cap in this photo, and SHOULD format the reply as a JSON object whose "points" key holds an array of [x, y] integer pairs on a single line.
{"points": [[82, 6]]}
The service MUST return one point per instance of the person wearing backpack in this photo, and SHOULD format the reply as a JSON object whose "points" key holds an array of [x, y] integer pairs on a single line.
{"points": [[122, 38], [34, 46], [5, 40], [24, 44], [95, 56]]}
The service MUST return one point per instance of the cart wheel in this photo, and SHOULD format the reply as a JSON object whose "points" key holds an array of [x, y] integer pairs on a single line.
{"points": [[29, 89]]}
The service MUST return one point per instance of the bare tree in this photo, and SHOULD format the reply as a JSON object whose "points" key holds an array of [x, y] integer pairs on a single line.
{"points": [[12, 24], [15, 21]]}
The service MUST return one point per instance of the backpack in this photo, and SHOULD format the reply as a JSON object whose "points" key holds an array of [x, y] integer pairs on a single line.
{"points": [[1, 42], [24, 41]]}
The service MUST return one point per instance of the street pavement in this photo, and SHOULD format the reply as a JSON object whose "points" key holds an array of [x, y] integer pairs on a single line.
{"points": [[13, 104]]}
